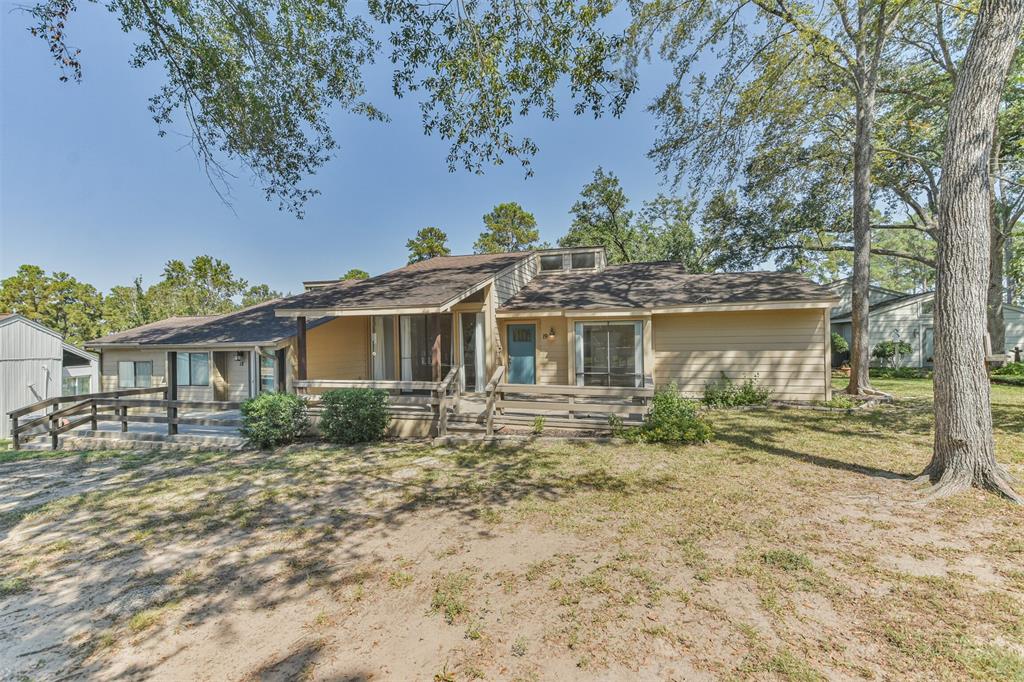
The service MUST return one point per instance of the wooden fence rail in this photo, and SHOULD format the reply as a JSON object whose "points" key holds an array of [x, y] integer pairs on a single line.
{"points": [[437, 396], [567, 405], [112, 406]]}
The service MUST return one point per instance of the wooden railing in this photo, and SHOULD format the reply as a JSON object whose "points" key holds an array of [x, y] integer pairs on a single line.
{"points": [[436, 396], [566, 404], [111, 406], [491, 391]]}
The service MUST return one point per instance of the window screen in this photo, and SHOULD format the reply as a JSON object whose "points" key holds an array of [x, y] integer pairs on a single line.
{"points": [[193, 369], [551, 263], [584, 260]]}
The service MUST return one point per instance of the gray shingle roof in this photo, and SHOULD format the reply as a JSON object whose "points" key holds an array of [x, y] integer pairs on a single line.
{"points": [[254, 325], [661, 285], [428, 283]]}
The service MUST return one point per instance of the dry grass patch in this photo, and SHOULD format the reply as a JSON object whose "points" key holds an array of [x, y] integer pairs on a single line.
{"points": [[793, 547]]}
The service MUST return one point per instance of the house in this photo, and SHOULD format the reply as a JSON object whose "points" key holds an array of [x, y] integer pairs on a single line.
{"points": [[910, 317], [227, 357], [560, 317], [36, 363]]}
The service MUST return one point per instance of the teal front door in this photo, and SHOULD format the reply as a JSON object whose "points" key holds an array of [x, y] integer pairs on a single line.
{"points": [[522, 347]]}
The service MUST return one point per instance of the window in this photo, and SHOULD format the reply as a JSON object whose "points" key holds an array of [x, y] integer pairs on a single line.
{"points": [[416, 345], [134, 374], [75, 385], [584, 260], [268, 373], [193, 369], [609, 354], [928, 308], [553, 262]]}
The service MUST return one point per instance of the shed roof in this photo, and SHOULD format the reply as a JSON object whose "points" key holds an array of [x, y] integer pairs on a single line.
{"points": [[255, 325], [662, 285], [427, 284]]}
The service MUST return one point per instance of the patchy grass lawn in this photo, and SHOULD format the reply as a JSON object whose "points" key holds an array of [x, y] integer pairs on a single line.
{"points": [[793, 547]]}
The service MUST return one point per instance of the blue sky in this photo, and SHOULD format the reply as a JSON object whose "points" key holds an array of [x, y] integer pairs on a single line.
{"points": [[87, 187]]}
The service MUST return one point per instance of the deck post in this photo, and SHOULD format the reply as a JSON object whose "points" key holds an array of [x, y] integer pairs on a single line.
{"points": [[124, 418], [435, 354], [172, 391], [92, 414], [53, 427], [15, 436], [301, 340]]}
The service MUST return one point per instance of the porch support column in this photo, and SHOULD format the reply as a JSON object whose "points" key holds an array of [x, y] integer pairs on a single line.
{"points": [[435, 356], [301, 339], [172, 391]]}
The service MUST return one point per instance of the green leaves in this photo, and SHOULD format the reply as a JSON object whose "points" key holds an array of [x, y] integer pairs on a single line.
{"points": [[252, 82], [59, 301], [429, 242], [508, 227]]}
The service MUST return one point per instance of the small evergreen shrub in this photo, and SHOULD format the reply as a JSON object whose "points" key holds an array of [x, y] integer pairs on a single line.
{"points": [[891, 353], [616, 425], [727, 393], [840, 401], [839, 344], [899, 373], [354, 415], [272, 419], [1010, 369], [538, 425], [672, 419]]}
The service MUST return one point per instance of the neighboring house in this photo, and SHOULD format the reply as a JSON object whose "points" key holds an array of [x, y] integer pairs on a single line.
{"points": [[558, 316], [910, 317], [36, 364]]}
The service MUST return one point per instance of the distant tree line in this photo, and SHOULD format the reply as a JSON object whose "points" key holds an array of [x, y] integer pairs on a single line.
{"points": [[206, 286]]}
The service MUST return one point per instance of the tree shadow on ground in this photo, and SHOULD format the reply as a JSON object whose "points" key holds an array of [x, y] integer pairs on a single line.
{"points": [[223, 514]]}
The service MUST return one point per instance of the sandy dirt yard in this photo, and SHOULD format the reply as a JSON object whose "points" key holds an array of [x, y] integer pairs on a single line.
{"points": [[792, 547]]}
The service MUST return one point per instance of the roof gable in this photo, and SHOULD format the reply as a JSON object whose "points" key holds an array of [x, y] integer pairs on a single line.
{"points": [[428, 284]]}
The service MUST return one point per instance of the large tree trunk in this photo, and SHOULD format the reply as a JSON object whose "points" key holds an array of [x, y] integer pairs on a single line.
{"points": [[997, 241], [994, 309], [964, 451], [863, 155]]}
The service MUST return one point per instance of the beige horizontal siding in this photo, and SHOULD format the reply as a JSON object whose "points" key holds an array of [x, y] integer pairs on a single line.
{"points": [[552, 357], [784, 349], [108, 372], [339, 349]]}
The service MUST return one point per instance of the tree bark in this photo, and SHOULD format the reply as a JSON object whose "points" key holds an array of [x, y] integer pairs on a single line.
{"points": [[863, 155], [997, 240], [964, 449], [994, 309]]}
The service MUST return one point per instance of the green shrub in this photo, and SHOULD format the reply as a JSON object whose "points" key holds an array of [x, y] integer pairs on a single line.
{"points": [[272, 419], [354, 415], [616, 425], [899, 373], [1008, 380], [727, 393], [672, 419], [1010, 369], [839, 344], [891, 352], [840, 401], [538, 425]]}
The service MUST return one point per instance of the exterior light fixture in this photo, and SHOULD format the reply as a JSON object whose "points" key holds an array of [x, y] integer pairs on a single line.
{"points": [[551, 334]]}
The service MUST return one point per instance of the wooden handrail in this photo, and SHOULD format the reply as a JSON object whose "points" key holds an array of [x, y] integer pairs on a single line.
{"points": [[491, 391], [85, 396], [384, 385], [119, 404], [578, 391]]}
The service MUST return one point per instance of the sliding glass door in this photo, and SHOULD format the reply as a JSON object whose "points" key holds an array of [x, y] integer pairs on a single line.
{"points": [[382, 343], [473, 354], [417, 334], [609, 354]]}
